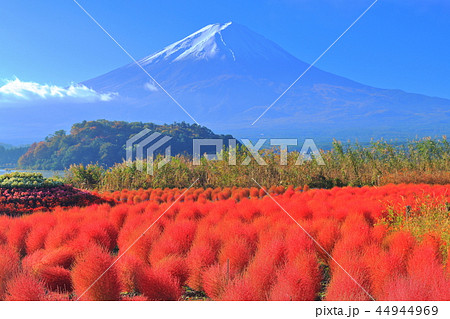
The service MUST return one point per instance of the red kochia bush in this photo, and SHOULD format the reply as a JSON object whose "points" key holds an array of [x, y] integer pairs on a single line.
{"points": [[326, 233], [48, 267], [118, 215], [298, 280], [62, 234], [400, 243], [382, 266], [26, 287], [215, 279], [88, 268], [60, 254], [298, 242], [239, 289], [36, 238], [426, 278], [351, 278], [101, 233], [56, 278], [128, 267], [158, 285], [176, 266], [199, 258], [237, 252], [17, 235], [175, 240], [32, 262], [261, 271], [9, 266], [133, 229], [64, 257], [344, 285]]}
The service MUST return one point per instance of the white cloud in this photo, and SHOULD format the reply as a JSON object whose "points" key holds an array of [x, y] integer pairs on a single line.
{"points": [[16, 90], [151, 87]]}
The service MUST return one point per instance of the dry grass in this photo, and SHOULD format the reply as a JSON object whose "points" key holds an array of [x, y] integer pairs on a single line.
{"points": [[426, 216], [416, 177], [380, 163]]}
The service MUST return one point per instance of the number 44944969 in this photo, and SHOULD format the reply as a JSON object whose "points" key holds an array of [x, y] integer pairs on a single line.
{"points": [[404, 310]]}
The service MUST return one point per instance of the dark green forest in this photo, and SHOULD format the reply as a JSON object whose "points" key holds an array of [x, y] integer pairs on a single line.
{"points": [[10, 155], [103, 142]]}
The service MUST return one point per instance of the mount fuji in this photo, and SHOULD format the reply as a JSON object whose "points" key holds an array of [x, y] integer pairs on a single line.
{"points": [[226, 75]]}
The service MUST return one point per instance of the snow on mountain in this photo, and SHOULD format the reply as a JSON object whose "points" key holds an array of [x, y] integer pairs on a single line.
{"points": [[202, 44], [220, 41], [213, 55]]}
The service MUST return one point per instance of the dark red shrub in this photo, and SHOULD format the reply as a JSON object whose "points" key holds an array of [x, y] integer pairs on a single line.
{"points": [[55, 278]]}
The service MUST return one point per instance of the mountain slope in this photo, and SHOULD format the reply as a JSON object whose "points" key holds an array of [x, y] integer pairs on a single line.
{"points": [[225, 76]]}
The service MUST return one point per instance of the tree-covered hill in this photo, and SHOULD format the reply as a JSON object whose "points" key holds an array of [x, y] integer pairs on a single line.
{"points": [[103, 142], [9, 155]]}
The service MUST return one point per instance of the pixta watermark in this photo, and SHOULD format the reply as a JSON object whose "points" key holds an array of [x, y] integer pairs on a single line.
{"points": [[145, 145]]}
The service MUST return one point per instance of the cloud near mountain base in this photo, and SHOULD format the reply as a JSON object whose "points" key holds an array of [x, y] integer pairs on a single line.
{"points": [[17, 91]]}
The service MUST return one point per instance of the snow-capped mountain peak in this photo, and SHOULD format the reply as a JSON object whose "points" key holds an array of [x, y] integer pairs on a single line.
{"points": [[205, 43], [229, 41]]}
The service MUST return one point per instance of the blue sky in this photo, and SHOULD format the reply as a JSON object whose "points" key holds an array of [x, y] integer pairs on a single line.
{"points": [[397, 44]]}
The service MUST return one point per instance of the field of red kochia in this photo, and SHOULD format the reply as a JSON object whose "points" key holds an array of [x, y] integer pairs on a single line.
{"points": [[231, 244]]}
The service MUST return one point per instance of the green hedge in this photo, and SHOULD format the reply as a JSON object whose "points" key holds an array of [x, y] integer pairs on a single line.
{"points": [[27, 180]]}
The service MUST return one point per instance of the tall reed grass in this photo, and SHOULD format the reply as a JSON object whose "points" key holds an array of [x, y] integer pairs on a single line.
{"points": [[379, 163]]}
